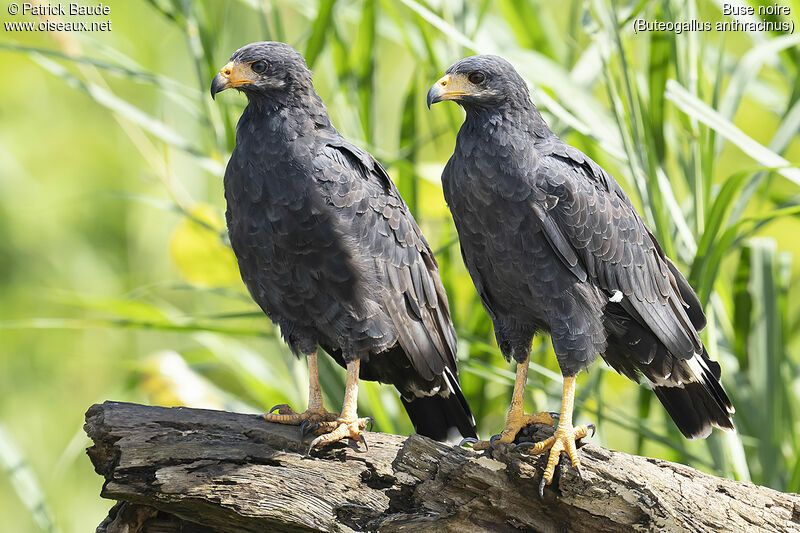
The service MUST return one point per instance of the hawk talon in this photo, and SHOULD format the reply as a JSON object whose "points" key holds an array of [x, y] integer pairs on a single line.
{"points": [[516, 418], [288, 416], [341, 429], [347, 425], [542, 483], [312, 428], [279, 407], [310, 447], [467, 440], [364, 440], [592, 427]]}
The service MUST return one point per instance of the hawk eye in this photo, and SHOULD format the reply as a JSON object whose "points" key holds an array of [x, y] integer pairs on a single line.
{"points": [[259, 66], [476, 78]]}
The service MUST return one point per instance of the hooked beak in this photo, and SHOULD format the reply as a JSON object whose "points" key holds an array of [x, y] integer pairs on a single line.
{"points": [[231, 75], [447, 88]]}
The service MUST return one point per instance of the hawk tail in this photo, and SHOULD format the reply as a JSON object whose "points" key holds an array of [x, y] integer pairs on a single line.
{"points": [[694, 398], [689, 388], [444, 416]]}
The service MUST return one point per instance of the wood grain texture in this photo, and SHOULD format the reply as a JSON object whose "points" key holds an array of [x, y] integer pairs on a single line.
{"points": [[193, 470]]}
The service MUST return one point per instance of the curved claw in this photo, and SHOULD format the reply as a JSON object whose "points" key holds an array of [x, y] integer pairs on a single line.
{"points": [[492, 439], [526, 444], [275, 407], [312, 428], [364, 440], [580, 472], [370, 420], [313, 443], [555, 416], [311, 447], [303, 429], [592, 427], [467, 440], [541, 488]]}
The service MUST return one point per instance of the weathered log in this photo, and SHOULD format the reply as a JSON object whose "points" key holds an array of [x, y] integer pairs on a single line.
{"points": [[194, 470]]}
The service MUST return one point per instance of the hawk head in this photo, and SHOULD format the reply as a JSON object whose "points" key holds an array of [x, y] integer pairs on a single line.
{"points": [[263, 69], [480, 81]]}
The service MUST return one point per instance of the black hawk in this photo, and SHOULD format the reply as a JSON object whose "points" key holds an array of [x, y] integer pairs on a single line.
{"points": [[330, 252], [553, 244]]}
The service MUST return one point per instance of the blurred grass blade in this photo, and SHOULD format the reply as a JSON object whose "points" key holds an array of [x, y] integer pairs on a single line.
{"points": [[766, 355], [187, 326], [787, 130], [132, 113], [658, 68], [280, 376], [709, 267], [747, 69], [440, 24], [678, 217], [407, 179], [362, 63], [316, 41], [526, 24], [717, 216], [694, 107], [332, 380], [378, 407], [136, 73], [24, 482]]}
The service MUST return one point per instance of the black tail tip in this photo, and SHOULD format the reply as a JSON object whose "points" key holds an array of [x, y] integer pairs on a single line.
{"points": [[695, 409], [440, 418]]}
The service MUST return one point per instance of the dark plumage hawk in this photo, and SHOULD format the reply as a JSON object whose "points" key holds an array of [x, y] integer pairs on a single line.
{"points": [[554, 244], [331, 253]]}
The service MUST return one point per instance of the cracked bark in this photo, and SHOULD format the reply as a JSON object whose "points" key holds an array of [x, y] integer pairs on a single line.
{"points": [[199, 471]]}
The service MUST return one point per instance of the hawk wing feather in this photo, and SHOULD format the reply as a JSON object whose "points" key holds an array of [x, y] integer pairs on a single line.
{"points": [[413, 294], [585, 214]]}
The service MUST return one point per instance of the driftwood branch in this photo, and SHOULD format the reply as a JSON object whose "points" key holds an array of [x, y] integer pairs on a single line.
{"points": [[193, 470]]}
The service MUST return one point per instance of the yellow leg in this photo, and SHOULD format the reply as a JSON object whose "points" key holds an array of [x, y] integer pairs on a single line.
{"points": [[564, 437], [315, 412], [516, 419], [348, 425]]}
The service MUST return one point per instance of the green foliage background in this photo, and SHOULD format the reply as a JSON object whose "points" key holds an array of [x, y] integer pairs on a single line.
{"points": [[116, 281]]}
